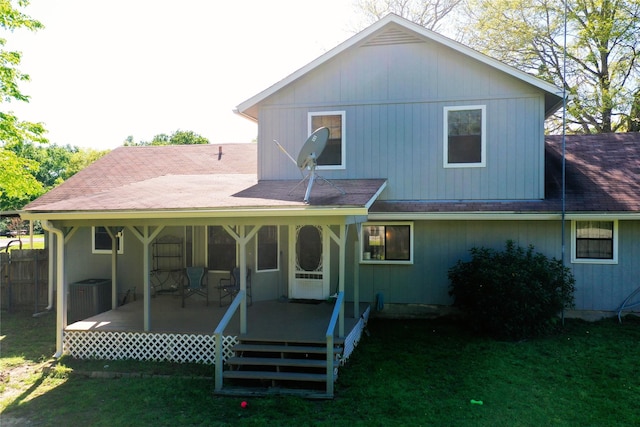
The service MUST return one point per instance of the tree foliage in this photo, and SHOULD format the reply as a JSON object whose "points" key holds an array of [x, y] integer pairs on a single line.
{"points": [[602, 54], [13, 130], [18, 184], [179, 137]]}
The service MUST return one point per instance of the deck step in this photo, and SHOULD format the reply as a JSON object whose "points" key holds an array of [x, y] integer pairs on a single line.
{"points": [[277, 348], [275, 376], [276, 361]]}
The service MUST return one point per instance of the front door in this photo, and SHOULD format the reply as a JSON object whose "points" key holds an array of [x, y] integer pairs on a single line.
{"points": [[309, 272]]}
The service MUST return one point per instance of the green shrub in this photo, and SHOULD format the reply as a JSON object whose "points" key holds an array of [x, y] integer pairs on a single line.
{"points": [[514, 294]]}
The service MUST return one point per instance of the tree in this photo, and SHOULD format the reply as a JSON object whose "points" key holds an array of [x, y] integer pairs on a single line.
{"points": [[179, 137], [12, 130], [17, 183], [427, 13], [602, 55]]}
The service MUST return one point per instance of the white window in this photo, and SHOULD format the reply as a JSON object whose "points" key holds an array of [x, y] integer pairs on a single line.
{"points": [[465, 136], [333, 156], [389, 243], [267, 251], [101, 241], [594, 241]]}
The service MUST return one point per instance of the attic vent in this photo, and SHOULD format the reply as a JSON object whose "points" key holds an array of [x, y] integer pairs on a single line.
{"points": [[393, 36]]}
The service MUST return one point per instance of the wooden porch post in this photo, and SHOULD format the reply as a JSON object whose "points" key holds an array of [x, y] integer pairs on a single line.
{"points": [[342, 263], [114, 268], [242, 238], [146, 282], [146, 239], [356, 281], [243, 280]]}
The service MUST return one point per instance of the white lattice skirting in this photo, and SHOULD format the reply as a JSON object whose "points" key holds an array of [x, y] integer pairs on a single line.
{"points": [[147, 346], [352, 340]]}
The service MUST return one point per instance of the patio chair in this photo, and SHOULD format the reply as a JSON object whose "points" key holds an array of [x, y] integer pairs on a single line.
{"points": [[229, 287], [196, 284]]}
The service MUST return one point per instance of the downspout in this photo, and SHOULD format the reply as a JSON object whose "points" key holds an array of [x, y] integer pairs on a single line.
{"points": [[49, 278], [61, 320]]}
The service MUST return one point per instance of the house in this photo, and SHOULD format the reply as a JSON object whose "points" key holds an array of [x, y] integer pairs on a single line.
{"points": [[433, 148]]}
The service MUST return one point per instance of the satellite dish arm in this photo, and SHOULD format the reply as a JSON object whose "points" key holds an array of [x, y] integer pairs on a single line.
{"points": [[288, 155], [285, 152]]}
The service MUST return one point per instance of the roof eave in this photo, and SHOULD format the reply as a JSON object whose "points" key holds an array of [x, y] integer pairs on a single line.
{"points": [[289, 211]]}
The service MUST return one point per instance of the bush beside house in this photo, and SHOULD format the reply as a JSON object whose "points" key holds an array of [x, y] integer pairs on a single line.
{"points": [[514, 294]]}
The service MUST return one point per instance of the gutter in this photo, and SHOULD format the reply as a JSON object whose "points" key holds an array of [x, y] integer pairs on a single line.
{"points": [[47, 225]]}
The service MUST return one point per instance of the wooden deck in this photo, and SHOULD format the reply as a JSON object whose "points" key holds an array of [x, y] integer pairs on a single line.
{"points": [[280, 320]]}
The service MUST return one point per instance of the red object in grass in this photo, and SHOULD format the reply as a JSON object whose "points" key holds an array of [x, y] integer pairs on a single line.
{"points": [[244, 404]]}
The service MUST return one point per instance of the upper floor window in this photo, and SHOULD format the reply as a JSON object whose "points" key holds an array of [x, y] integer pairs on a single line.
{"points": [[333, 156], [594, 242], [464, 136], [221, 249], [387, 243], [267, 248], [101, 241]]}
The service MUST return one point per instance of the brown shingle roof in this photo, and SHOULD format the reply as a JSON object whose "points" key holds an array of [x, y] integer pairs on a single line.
{"points": [[144, 177], [602, 175], [190, 177]]}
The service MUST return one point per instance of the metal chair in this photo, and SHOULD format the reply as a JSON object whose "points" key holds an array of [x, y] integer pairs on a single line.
{"points": [[196, 284], [229, 287]]}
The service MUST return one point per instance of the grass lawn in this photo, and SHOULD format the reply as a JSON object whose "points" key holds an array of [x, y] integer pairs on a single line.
{"points": [[37, 244], [405, 373]]}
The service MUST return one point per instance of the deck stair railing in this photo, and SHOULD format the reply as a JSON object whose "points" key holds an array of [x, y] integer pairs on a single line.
{"points": [[219, 338], [285, 366], [329, 335]]}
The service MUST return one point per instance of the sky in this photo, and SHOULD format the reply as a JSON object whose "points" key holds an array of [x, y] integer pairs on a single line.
{"points": [[105, 70]]}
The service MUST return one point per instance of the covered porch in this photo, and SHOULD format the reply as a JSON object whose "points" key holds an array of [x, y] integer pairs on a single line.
{"points": [[187, 334]]}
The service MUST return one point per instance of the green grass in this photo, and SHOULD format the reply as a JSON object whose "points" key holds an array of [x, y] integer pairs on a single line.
{"points": [[405, 373], [25, 242]]}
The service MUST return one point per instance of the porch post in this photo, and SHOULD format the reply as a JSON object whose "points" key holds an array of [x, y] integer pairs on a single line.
{"points": [[146, 283], [146, 239], [243, 280], [342, 263], [356, 281], [114, 268]]}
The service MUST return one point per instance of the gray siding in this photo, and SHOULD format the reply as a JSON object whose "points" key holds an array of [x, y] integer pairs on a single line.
{"points": [[603, 286], [394, 97], [440, 244]]}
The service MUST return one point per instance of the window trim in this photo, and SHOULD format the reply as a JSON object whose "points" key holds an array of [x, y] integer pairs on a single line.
{"points": [[105, 251], [257, 243], [574, 257], [343, 153], [483, 137], [386, 261]]}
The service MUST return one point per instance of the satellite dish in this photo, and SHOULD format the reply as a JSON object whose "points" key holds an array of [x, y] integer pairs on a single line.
{"points": [[313, 148], [308, 159]]}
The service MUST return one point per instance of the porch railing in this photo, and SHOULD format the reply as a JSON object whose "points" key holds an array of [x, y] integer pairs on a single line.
{"points": [[330, 330], [218, 337]]}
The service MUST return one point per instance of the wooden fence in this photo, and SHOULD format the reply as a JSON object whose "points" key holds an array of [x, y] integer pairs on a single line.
{"points": [[24, 279]]}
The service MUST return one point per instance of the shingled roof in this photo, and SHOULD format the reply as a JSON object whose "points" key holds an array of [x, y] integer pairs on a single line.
{"points": [[191, 177], [602, 175]]}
